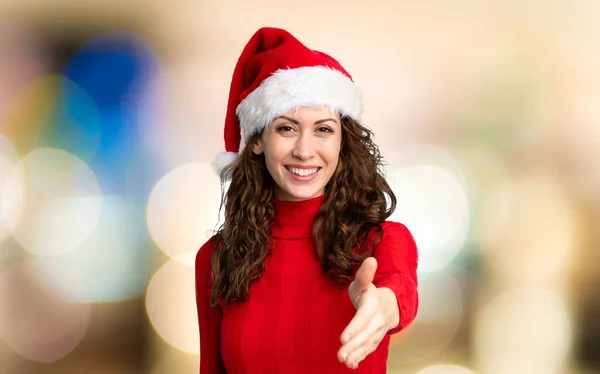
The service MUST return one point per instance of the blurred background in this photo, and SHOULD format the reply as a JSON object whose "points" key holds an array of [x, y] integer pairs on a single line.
{"points": [[487, 113]]}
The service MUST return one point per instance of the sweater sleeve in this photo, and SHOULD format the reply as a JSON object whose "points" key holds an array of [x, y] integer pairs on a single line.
{"points": [[209, 319], [397, 258]]}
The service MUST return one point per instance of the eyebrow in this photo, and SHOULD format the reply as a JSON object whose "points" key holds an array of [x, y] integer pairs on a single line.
{"points": [[316, 122]]}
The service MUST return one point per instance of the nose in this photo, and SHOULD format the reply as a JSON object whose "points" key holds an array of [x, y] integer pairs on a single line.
{"points": [[305, 147]]}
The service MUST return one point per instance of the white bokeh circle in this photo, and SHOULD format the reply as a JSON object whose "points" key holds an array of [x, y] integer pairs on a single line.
{"points": [[183, 208], [171, 305], [59, 202]]}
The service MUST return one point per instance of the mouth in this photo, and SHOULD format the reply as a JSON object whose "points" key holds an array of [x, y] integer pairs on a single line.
{"points": [[303, 172]]}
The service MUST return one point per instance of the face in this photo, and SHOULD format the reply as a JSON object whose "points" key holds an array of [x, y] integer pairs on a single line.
{"points": [[302, 150]]}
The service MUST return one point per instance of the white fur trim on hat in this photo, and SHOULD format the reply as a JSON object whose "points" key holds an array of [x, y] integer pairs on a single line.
{"points": [[290, 89], [223, 159]]}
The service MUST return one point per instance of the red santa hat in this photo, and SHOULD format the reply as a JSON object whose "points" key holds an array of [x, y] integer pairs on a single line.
{"points": [[274, 74]]}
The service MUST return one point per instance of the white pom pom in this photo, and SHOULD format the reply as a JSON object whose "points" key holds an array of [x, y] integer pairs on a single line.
{"points": [[223, 159]]}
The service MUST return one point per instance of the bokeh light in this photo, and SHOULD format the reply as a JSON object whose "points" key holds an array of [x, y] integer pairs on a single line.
{"points": [[171, 305], [8, 152], [28, 115], [514, 229], [107, 111], [54, 112], [487, 170], [122, 56], [577, 137], [176, 361], [494, 92], [9, 199], [36, 323], [445, 369], [432, 197], [109, 266], [183, 208], [61, 202], [23, 59], [75, 122], [440, 314], [523, 331]]}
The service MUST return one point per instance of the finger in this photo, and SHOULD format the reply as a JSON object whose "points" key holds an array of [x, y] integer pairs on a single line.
{"points": [[373, 333], [348, 350], [349, 344], [362, 350], [365, 274], [363, 345], [360, 336], [363, 316], [359, 347], [363, 279], [353, 361]]}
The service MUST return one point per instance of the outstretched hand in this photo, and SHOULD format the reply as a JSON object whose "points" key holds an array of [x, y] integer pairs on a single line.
{"points": [[372, 320]]}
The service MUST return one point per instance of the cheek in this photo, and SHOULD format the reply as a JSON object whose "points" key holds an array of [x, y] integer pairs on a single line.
{"points": [[274, 159], [333, 155], [277, 152], [271, 164]]}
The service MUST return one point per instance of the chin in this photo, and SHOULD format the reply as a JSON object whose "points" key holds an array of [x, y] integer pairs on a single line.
{"points": [[301, 194]]}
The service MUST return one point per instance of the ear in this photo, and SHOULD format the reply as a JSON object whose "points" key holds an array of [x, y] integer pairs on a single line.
{"points": [[257, 147]]}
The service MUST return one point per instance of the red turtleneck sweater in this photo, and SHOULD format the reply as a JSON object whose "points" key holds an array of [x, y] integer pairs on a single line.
{"points": [[295, 315]]}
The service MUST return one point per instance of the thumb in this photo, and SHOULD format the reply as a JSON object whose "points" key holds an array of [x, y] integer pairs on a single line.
{"points": [[365, 274]]}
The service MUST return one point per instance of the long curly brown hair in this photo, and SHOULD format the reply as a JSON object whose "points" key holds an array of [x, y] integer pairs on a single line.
{"points": [[354, 203]]}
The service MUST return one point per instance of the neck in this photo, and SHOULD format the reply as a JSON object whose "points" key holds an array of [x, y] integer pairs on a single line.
{"points": [[295, 219]]}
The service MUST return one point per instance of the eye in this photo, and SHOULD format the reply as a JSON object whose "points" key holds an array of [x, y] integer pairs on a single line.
{"points": [[284, 128], [325, 129]]}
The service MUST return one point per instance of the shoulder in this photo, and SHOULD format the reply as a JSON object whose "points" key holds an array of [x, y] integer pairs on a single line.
{"points": [[396, 231], [204, 255], [395, 235], [396, 250]]}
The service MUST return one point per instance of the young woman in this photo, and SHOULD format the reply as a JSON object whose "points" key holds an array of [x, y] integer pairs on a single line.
{"points": [[306, 275]]}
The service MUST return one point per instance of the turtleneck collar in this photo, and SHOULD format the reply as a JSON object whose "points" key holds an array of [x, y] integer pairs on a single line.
{"points": [[295, 219]]}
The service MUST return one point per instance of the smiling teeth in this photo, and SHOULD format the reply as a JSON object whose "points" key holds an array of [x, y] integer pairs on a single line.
{"points": [[303, 172]]}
